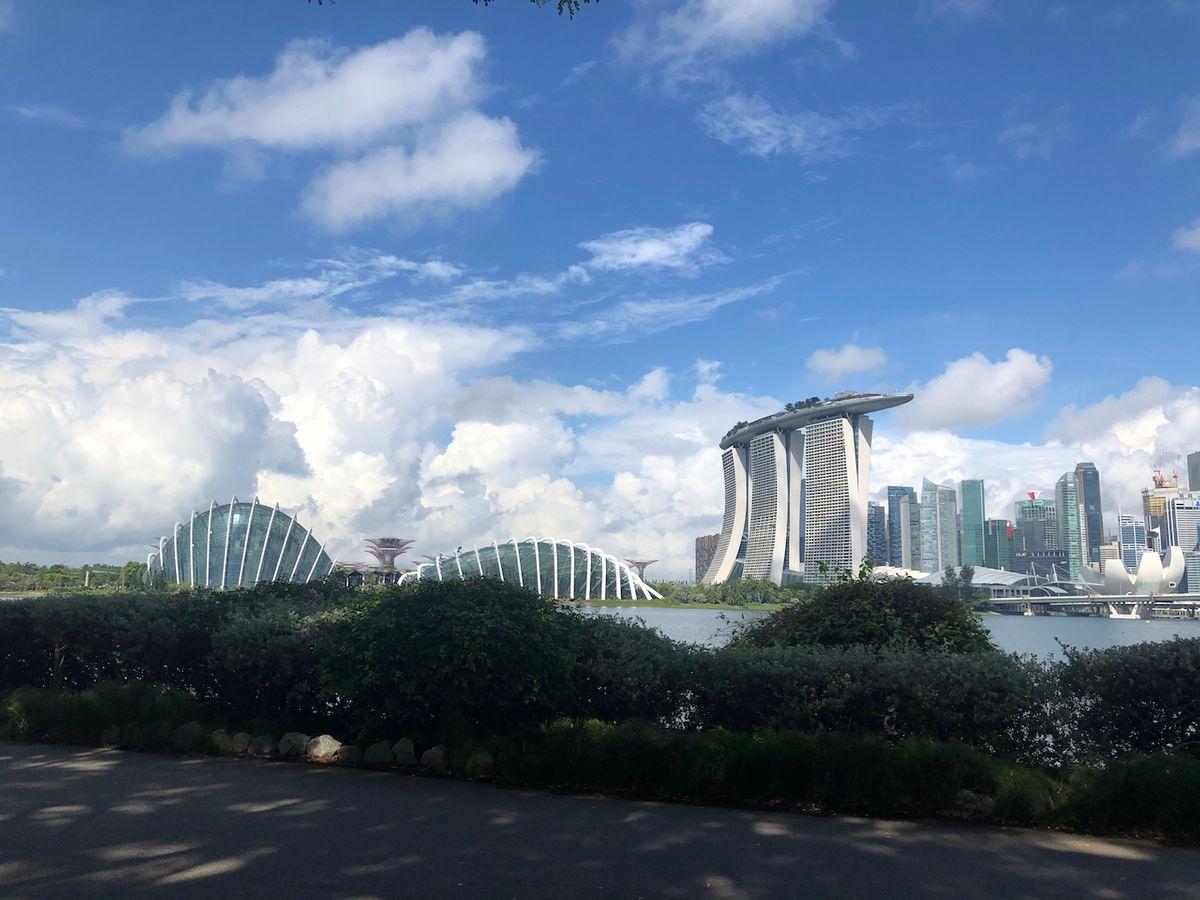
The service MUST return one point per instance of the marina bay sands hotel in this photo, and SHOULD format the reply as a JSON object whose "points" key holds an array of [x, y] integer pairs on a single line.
{"points": [[796, 486]]}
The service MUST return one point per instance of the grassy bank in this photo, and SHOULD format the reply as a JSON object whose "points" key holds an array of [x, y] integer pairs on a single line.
{"points": [[673, 604]]}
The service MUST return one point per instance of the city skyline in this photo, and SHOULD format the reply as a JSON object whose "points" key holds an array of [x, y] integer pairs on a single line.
{"points": [[404, 305]]}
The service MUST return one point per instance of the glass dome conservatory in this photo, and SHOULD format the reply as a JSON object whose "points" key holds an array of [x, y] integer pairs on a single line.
{"points": [[239, 544], [560, 569]]}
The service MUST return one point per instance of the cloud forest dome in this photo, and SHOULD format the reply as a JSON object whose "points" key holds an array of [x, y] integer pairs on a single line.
{"points": [[239, 544], [564, 570]]}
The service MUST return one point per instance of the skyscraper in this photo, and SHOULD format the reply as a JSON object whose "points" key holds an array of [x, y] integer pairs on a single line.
{"points": [[939, 527], [796, 489], [1154, 507], [1087, 480], [1193, 467], [706, 547], [877, 535], [1038, 522], [1072, 528], [895, 548], [1131, 536], [910, 531], [1182, 522], [972, 522], [998, 544]]}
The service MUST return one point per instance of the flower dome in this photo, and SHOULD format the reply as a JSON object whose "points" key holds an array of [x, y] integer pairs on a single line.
{"points": [[239, 544]]}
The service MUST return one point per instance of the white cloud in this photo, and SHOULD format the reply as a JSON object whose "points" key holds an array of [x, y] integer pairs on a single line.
{"points": [[463, 164], [683, 248], [963, 9], [850, 359], [1187, 238], [404, 113], [1030, 139], [1186, 139], [975, 391], [51, 115], [685, 40]]}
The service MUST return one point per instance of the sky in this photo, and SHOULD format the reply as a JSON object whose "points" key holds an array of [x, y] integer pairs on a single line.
{"points": [[456, 273]]}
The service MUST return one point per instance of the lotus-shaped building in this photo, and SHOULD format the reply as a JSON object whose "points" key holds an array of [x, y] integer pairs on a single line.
{"points": [[239, 544], [564, 570], [1154, 575]]}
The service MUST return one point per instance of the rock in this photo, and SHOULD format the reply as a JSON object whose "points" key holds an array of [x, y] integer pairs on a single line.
{"points": [[480, 764], [436, 759], [219, 739], [348, 755], [378, 754], [111, 736], [292, 745], [188, 738], [404, 752], [322, 749], [262, 745], [239, 743]]}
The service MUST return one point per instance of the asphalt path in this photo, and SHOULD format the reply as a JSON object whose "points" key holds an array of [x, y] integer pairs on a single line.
{"points": [[99, 823]]}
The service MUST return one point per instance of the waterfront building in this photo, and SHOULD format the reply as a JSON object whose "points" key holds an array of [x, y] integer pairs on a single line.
{"points": [[877, 535], [1109, 550], [1181, 520], [1072, 528], [910, 531], [1051, 564], [972, 522], [895, 548], [562, 570], [1154, 507], [1192, 572], [1038, 521], [796, 490], [706, 547], [999, 544], [1087, 480], [1193, 468], [939, 527], [1131, 537], [239, 544]]}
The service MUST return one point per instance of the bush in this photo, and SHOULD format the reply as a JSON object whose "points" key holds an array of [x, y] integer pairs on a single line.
{"points": [[80, 717], [451, 659], [890, 613], [1140, 698], [742, 592], [1148, 794], [992, 701], [1026, 797]]}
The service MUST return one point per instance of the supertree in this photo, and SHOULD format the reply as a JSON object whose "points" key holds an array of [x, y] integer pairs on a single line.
{"points": [[385, 550], [640, 565]]}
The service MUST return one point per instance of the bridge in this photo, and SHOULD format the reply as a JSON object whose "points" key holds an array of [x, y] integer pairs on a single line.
{"points": [[1113, 606]]}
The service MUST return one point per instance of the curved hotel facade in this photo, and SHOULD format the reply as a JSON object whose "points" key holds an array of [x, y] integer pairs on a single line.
{"points": [[796, 490]]}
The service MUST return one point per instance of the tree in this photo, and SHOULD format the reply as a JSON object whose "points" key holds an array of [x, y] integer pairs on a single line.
{"points": [[570, 7]]}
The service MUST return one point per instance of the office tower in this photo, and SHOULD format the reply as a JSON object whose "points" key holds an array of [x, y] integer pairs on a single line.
{"points": [[796, 490], [1193, 467], [998, 544], [1087, 480], [939, 527], [972, 522], [1154, 507], [1038, 521], [877, 546], [706, 546], [1109, 550], [1072, 527], [910, 531], [1131, 536], [895, 546], [1181, 519]]}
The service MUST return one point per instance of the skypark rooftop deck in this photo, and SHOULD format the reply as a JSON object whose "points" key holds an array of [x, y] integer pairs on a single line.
{"points": [[846, 403]]}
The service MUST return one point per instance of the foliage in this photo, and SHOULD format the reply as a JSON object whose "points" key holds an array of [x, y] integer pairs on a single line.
{"points": [[570, 7], [993, 701], [451, 658], [891, 613], [743, 592], [81, 717], [1138, 698], [15, 576], [1157, 794]]}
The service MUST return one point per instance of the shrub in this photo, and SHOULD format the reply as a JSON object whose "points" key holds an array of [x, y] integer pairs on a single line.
{"points": [[992, 701], [1149, 794], [890, 613], [1026, 797], [80, 717], [451, 659], [1139, 698]]}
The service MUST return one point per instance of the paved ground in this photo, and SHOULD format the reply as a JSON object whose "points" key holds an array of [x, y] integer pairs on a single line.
{"points": [[105, 823]]}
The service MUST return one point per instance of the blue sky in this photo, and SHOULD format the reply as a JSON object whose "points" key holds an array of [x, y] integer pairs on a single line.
{"points": [[452, 271]]}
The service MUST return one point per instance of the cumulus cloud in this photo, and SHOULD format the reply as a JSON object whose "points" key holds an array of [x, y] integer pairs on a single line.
{"points": [[850, 359], [975, 391], [685, 40], [1187, 238], [751, 124], [1032, 139], [683, 248], [1186, 139], [404, 112]]}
